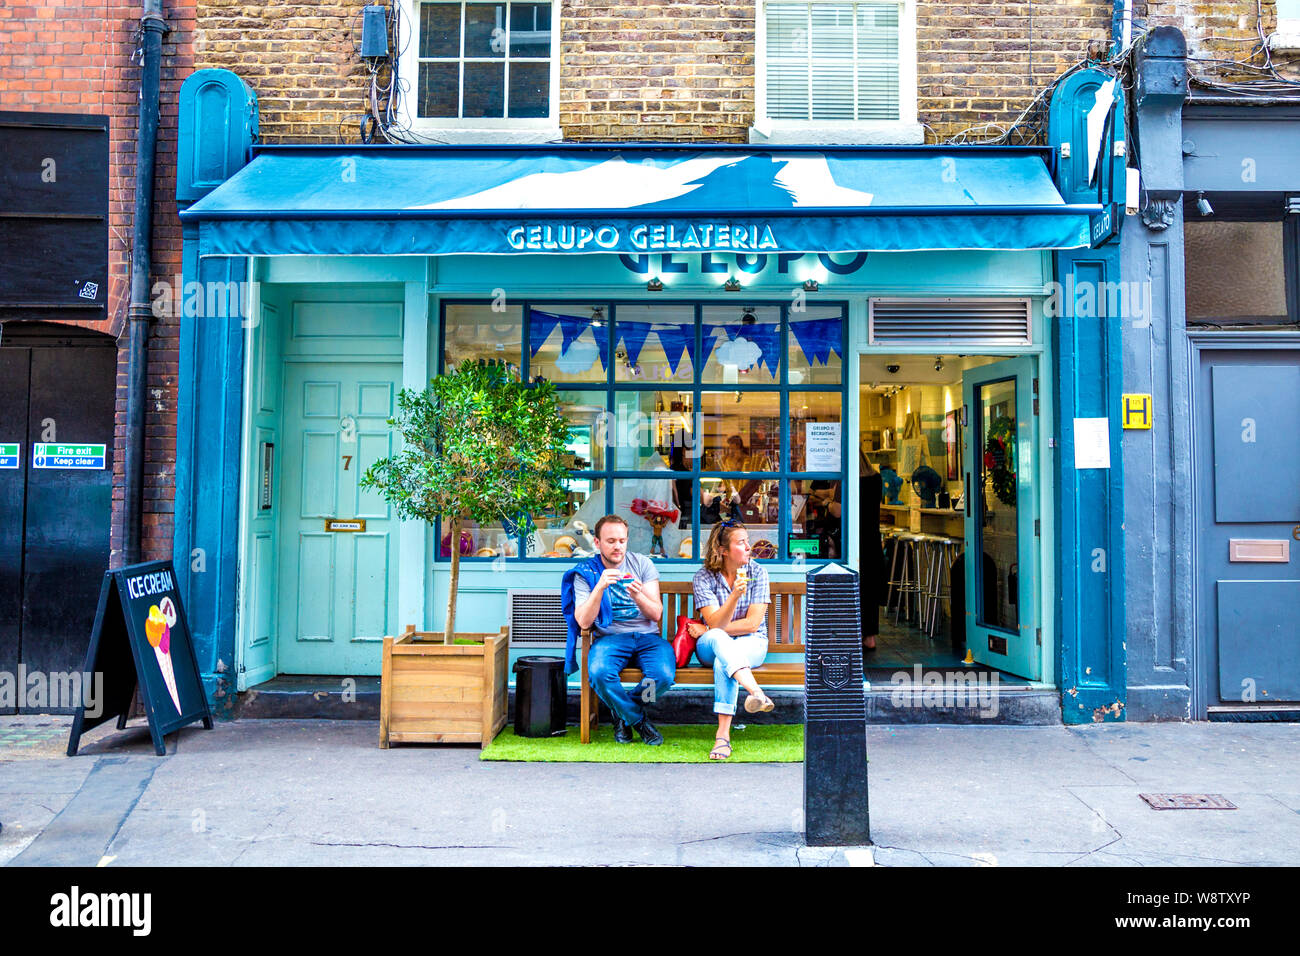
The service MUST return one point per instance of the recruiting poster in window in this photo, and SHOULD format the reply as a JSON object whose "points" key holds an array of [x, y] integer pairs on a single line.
{"points": [[822, 442]]}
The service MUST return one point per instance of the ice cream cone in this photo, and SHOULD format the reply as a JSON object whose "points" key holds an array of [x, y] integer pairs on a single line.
{"points": [[169, 675]]}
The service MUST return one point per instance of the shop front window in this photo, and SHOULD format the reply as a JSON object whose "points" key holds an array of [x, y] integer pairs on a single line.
{"points": [[681, 415], [815, 431], [816, 518], [742, 345], [814, 337], [569, 343], [654, 343], [566, 532], [479, 332]]}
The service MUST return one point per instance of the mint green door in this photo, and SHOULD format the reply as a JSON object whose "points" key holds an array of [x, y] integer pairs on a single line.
{"points": [[337, 588], [1001, 488]]}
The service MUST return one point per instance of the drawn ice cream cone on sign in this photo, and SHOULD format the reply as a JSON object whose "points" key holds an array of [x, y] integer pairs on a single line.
{"points": [[158, 629]]}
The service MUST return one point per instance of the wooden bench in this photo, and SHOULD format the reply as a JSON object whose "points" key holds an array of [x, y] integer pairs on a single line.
{"points": [[784, 636]]}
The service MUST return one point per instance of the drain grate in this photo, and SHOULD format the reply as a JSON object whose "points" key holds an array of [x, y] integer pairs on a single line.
{"points": [[1187, 801]]}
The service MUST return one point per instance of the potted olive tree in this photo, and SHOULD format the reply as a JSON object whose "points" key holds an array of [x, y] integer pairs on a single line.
{"points": [[478, 444]]}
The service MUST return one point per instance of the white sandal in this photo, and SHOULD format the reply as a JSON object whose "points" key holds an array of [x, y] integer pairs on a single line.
{"points": [[755, 704]]}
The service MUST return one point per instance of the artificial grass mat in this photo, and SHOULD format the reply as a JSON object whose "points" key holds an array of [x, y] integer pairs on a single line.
{"points": [[683, 743]]}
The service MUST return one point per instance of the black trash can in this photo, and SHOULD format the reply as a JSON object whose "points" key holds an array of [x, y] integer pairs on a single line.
{"points": [[541, 696]]}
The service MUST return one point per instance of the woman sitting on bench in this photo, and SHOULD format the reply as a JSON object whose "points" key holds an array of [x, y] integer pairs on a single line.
{"points": [[731, 597]]}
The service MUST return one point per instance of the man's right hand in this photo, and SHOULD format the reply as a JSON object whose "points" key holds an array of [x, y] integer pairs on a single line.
{"points": [[609, 576]]}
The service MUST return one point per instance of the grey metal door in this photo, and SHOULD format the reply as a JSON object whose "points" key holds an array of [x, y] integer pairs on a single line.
{"points": [[1248, 526]]}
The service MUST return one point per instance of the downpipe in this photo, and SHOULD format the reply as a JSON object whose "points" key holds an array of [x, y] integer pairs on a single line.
{"points": [[152, 28]]}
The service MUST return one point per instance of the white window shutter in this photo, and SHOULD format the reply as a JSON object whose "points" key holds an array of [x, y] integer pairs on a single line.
{"points": [[833, 62]]}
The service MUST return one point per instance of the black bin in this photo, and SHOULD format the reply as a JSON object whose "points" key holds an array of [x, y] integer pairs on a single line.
{"points": [[541, 696]]}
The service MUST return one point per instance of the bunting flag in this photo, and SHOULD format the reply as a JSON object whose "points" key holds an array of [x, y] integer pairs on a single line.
{"points": [[633, 335], [673, 340], [767, 336], [540, 326], [818, 338], [706, 344], [571, 326]]}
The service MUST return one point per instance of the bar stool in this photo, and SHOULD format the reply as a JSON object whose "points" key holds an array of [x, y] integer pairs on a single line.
{"points": [[905, 575], [938, 587]]}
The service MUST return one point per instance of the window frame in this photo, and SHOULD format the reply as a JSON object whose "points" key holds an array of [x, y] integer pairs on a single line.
{"points": [[1260, 208], [907, 129], [475, 128], [609, 475]]}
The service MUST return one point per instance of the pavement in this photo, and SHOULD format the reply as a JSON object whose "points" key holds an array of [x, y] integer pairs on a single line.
{"points": [[322, 793]]}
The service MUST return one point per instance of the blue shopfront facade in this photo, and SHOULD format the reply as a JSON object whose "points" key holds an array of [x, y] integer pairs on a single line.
{"points": [[360, 271]]}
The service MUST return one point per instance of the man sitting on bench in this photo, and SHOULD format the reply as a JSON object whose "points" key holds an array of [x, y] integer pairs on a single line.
{"points": [[615, 593]]}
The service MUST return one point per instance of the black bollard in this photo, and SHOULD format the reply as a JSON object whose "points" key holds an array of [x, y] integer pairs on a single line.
{"points": [[835, 712]]}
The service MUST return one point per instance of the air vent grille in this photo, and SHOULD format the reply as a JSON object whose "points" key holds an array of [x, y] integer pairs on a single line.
{"points": [[535, 619], [943, 321]]}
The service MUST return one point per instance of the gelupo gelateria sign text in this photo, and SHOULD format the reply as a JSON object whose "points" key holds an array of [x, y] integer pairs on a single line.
{"points": [[641, 237]]}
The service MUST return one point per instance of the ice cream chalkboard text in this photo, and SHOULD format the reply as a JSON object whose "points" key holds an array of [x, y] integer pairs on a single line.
{"points": [[141, 638]]}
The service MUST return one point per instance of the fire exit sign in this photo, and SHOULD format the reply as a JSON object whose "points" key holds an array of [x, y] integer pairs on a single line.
{"points": [[67, 456]]}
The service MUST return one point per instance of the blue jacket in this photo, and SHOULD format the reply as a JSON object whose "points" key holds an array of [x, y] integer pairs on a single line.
{"points": [[591, 570]]}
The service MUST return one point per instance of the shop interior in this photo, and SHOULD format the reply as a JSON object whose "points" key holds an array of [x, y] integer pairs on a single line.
{"points": [[913, 456]]}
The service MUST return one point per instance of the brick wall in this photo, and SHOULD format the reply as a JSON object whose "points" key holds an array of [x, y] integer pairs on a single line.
{"points": [[1223, 32], [301, 58], [651, 71], [983, 63], [75, 57], [661, 71]]}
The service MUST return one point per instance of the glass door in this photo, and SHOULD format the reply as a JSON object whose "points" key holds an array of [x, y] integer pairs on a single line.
{"points": [[1001, 505]]}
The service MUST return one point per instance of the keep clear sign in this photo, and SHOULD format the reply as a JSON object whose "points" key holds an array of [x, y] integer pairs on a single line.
{"points": [[822, 446], [67, 456]]}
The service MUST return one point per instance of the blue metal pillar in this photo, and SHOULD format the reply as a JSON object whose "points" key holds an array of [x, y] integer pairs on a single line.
{"points": [[1088, 349], [218, 123]]}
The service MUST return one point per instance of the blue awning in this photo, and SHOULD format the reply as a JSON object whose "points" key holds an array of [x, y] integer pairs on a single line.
{"points": [[312, 200]]}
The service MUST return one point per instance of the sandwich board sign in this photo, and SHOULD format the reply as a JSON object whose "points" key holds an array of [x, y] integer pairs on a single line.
{"points": [[140, 637]]}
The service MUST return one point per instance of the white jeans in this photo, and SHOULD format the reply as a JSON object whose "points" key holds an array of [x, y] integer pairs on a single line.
{"points": [[728, 654]]}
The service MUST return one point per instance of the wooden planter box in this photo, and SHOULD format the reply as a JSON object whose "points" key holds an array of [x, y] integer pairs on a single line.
{"points": [[435, 693]]}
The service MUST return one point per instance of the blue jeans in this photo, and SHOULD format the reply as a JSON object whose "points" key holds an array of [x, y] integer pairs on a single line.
{"points": [[728, 654], [648, 652]]}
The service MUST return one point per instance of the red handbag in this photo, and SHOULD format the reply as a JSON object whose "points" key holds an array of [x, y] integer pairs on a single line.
{"points": [[683, 643]]}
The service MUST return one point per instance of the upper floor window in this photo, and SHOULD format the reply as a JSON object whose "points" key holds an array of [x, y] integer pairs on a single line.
{"points": [[482, 65], [837, 64], [1243, 265]]}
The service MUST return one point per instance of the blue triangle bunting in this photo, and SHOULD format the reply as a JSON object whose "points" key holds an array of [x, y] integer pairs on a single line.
{"points": [[634, 335], [706, 344], [540, 326], [571, 326], [673, 340], [767, 336], [818, 339]]}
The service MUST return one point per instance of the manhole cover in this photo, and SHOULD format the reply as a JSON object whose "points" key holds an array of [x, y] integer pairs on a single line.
{"points": [[1187, 801]]}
